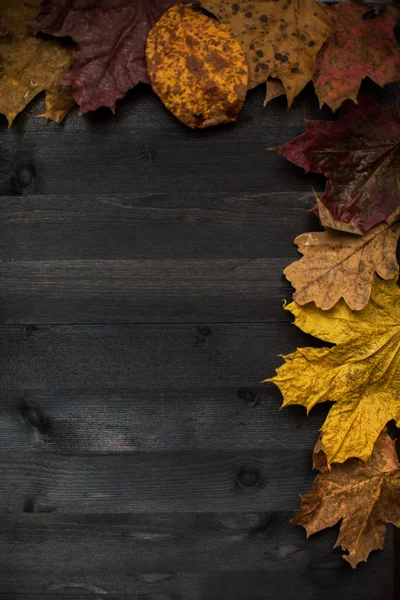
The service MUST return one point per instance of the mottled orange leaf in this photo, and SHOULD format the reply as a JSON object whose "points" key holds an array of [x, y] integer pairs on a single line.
{"points": [[29, 64], [339, 265], [365, 497], [197, 68], [361, 47], [281, 38]]}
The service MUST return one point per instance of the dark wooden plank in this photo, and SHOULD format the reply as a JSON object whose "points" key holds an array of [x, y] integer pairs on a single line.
{"points": [[153, 226], [116, 421], [308, 584], [144, 291], [55, 268], [190, 557], [144, 357], [56, 254], [144, 482], [144, 148]]}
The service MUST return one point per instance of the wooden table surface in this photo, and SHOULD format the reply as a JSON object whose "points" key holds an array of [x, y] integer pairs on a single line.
{"points": [[141, 307]]}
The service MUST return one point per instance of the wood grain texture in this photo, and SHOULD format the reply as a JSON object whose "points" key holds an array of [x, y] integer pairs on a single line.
{"points": [[140, 307], [145, 482], [214, 259], [108, 421], [152, 556], [144, 357]]}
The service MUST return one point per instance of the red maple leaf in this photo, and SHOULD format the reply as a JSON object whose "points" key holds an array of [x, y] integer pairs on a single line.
{"points": [[364, 45], [359, 154], [111, 38]]}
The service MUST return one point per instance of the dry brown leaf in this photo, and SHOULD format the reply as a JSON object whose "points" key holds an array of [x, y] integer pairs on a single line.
{"points": [[364, 496], [197, 68], [29, 64], [275, 89], [319, 457], [339, 265], [281, 39], [59, 102]]}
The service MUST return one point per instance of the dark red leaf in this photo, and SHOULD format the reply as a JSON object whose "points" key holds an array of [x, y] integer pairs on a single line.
{"points": [[363, 45], [110, 36], [4, 27], [359, 154]]}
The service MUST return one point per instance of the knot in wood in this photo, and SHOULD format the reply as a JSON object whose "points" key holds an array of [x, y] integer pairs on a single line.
{"points": [[246, 395], [32, 414], [248, 476]]}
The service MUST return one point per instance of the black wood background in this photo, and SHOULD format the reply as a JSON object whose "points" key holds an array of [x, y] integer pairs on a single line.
{"points": [[141, 306]]}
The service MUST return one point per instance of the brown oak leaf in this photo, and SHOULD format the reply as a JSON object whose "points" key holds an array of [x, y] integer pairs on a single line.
{"points": [[364, 496], [281, 39], [197, 67], [111, 38], [359, 154], [342, 265], [29, 64], [360, 47]]}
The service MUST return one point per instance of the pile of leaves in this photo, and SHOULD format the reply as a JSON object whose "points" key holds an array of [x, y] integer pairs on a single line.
{"points": [[201, 67], [346, 294], [201, 58]]}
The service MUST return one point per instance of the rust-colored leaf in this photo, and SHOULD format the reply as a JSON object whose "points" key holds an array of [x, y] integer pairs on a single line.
{"points": [[197, 68], [29, 64], [281, 38], [359, 154], [339, 265], [361, 47], [365, 497]]}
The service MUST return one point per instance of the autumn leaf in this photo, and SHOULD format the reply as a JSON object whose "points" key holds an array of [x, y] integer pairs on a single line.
{"points": [[4, 26], [275, 88], [342, 265], [360, 374], [59, 102], [197, 68], [29, 65], [281, 39], [361, 47], [364, 496], [111, 40], [359, 154]]}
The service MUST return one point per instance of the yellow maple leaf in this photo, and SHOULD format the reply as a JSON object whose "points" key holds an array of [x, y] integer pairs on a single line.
{"points": [[30, 64], [361, 373], [364, 496]]}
